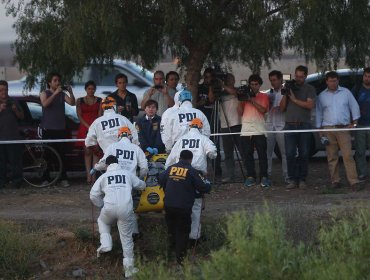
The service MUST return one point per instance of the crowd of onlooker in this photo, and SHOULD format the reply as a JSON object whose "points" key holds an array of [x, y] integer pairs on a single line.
{"points": [[250, 121]]}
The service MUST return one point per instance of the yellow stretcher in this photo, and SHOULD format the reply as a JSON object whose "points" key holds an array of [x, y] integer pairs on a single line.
{"points": [[151, 198]]}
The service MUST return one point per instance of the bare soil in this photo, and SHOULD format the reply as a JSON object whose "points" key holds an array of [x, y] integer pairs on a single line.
{"points": [[56, 205]]}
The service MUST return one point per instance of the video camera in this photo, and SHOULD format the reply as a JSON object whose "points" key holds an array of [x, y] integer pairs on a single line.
{"points": [[218, 79], [289, 85], [245, 92]]}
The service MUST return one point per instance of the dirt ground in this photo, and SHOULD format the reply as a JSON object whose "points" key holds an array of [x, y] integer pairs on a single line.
{"points": [[56, 205]]}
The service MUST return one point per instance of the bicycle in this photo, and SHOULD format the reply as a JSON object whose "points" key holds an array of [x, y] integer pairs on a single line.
{"points": [[38, 160]]}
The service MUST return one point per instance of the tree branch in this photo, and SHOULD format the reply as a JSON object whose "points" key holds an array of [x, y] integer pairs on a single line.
{"points": [[276, 10]]}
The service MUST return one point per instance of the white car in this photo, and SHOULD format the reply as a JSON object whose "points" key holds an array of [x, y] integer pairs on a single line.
{"points": [[139, 80]]}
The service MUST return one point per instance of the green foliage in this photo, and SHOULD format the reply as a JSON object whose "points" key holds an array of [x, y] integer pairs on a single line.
{"points": [[154, 241], [64, 35], [257, 248], [344, 251], [18, 252], [324, 31]]}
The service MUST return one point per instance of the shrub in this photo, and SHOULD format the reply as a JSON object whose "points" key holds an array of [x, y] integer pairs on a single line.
{"points": [[256, 247], [18, 252], [344, 251]]}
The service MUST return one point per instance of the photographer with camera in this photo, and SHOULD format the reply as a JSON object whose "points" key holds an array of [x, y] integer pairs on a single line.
{"points": [[230, 122], [253, 132], [297, 103], [275, 122], [126, 101], [10, 114], [53, 121], [160, 93]]}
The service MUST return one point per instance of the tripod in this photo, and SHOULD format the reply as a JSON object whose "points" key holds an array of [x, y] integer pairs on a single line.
{"points": [[218, 107]]}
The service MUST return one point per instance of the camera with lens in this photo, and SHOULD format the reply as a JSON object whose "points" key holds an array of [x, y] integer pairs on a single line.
{"points": [[218, 79], [245, 93], [289, 85]]}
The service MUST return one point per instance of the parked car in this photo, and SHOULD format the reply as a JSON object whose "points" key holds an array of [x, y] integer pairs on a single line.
{"points": [[139, 80], [32, 109]]}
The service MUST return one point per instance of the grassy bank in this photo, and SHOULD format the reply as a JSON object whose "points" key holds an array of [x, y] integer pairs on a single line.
{"points": [[257, 247], [261, 245]]}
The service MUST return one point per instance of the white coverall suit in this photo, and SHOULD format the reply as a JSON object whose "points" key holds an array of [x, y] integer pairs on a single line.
{"points": [[201, 147], [129, 157], [116, 185], [177, 124], [104, 130], [165, 118]]}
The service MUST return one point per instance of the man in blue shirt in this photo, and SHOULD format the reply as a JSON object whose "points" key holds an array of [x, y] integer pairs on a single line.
{"points": [[337, 108], [362, 137]]}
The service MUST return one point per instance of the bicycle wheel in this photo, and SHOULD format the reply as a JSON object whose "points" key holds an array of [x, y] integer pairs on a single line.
{"points": [[42, 165]]}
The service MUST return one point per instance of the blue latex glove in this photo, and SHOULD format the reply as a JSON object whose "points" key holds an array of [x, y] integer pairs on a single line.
{"points": [[150, 150], [155, 151], [92, 171]]}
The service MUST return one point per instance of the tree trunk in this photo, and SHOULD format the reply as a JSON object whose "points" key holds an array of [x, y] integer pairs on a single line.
{"points": [[194, 65]]}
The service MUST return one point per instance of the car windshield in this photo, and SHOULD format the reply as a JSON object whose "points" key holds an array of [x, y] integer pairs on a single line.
{"points": [[139, 69], [35, 110], [71, 113]]}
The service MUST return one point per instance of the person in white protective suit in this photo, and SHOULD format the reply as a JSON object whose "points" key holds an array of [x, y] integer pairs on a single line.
{"points": [[104, 130], [112, 193], [129, 156], [166, 116], [178, 121], [201, 147]]}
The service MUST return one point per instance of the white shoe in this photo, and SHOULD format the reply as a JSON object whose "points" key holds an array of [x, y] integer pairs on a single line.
{"points": [[129, 271], [64, 184]]}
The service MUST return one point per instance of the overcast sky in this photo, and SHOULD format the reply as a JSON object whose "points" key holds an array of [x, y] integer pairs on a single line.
{"points": [[7, 33]]}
